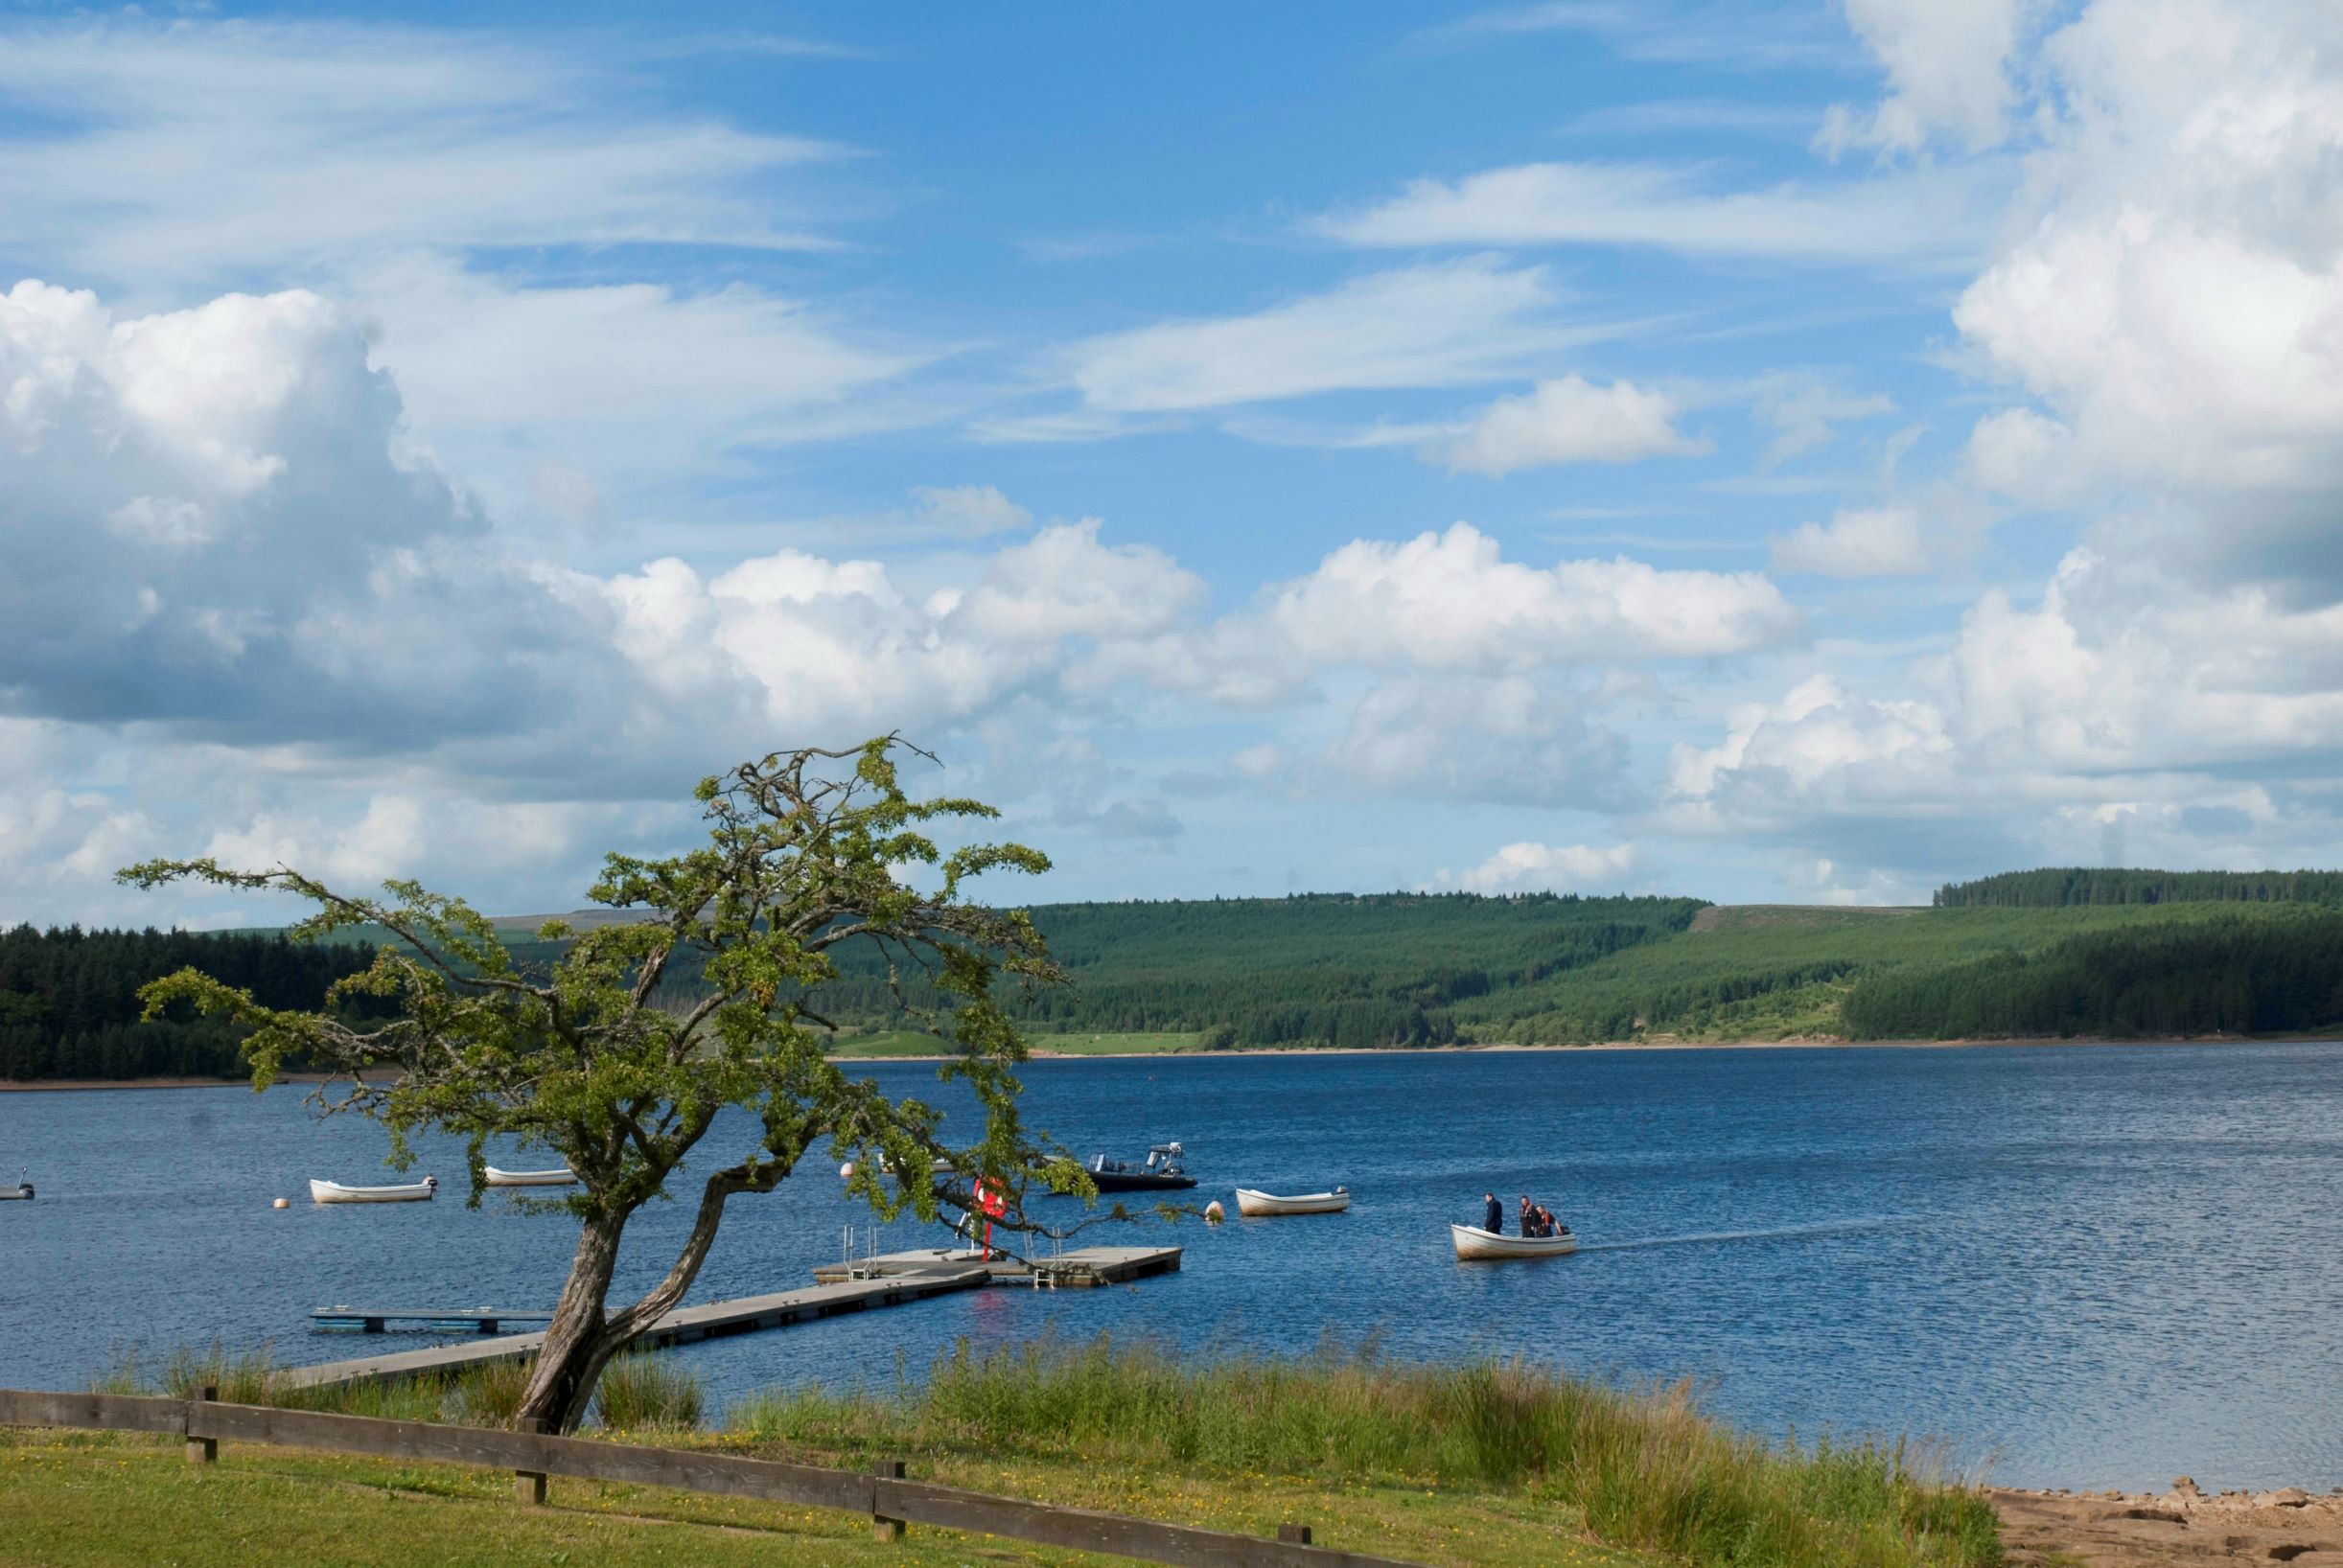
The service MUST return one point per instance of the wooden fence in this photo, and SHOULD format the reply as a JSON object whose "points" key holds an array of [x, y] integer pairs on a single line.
{"points": [[883, 1496]]}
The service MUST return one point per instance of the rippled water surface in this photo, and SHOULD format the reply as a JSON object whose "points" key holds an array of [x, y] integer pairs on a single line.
{"points": [[2090, 1265]]}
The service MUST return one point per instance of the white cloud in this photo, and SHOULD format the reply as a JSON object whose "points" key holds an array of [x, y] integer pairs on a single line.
{"points": [[1871, 542], [1513, 739], [398, 171], [346, 141], [1571, 419], [2119, 684], [2171, 288], [818, 646], [632, 383], [1446, 325], [1449, 601], [967, 510], [1805, 410], [1948, 72], [1735, 37], [1820, 749], [1931, 216], [1539, 867]]}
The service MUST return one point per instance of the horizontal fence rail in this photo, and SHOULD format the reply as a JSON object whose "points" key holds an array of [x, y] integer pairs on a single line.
{"points": [[889, 1501]]}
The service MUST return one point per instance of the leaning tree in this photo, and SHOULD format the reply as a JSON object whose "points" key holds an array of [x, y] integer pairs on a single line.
{"points": [[592, 1056]]}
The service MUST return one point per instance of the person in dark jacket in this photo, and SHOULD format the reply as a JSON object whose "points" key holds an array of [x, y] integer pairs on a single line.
{"points": [[1493, 1218]]}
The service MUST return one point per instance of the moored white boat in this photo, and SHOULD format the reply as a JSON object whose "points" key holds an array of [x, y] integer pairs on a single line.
{"points": [[407, 1192], [563, 1176], [1260, 1205], [1473, 1243]]}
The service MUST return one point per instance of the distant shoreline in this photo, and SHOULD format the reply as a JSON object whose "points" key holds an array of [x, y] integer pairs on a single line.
{"points": [[23, 1086]]}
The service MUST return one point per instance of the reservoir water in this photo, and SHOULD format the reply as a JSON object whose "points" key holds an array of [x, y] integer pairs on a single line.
{"points": [[2079, 1266]]}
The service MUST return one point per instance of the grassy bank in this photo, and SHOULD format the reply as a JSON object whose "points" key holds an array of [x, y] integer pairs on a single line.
{"points": [[1473, 1464]]}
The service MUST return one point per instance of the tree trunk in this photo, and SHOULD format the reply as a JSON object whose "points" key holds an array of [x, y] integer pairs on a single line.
{"points": [[584, 1335], [578, 1344]]}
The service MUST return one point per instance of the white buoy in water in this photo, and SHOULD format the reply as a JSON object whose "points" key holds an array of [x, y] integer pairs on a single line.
{"points": [[845, 1172], [282, 1203], [1213, 1213]]}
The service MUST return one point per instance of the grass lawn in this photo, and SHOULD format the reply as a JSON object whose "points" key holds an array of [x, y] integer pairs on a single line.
{"points": [[909, 1043], [1476, 1464], [101, 1500]]}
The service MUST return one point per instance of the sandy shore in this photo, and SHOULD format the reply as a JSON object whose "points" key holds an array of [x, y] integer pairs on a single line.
{"points": [[1042, 1053], [2145, 1530]]}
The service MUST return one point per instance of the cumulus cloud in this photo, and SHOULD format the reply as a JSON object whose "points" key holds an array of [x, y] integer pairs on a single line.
{"points": [[1540, 867], [2173, 281], [1820, 749], [1441, 325], [2117, 684], [1873, 541], [211, 522], [1452, 601], [1948, 72], [1571, 419]]}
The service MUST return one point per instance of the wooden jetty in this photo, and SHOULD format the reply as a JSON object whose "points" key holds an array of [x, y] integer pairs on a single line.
{"points": [[1086, 1268], [376, 1319], [743, 1315], [879, 1280]]}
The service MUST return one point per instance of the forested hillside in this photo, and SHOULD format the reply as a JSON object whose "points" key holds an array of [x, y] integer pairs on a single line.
{"points": [[69, 999], [2069, 887], [1385, 969], [2226, 973], [2125, 954]]}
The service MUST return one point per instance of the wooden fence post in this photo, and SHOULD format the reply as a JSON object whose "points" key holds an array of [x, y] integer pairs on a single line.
{"points": [[1294, 1534], [529, 1485], [882, 1527], [204, 1450]]}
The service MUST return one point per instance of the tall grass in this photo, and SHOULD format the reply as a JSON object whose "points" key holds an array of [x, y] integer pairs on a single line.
{"points": [[648, 1390], [1647, 1467], [486, 1394]]}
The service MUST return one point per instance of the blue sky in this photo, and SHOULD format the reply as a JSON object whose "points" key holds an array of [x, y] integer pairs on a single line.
{"points": [[1777, 452]]}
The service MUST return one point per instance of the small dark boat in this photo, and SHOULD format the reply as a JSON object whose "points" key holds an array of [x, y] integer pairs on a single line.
{"points": [[1161, 1173]]}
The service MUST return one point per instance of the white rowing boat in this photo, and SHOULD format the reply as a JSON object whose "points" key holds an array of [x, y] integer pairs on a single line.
{"points": [[1259, 1204], [1472, 1244], [562, 1176], [410, 1192]]}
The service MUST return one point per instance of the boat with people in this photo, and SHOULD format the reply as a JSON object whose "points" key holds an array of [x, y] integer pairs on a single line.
{"points": [[1162, 1172], [22, 1191], [561, 1177], [1477, 1245], [1257, 1205], [421, 1191]]}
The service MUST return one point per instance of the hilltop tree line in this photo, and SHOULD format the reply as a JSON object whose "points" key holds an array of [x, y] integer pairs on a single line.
{"points": [[2063, 887], [69, 999]]}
